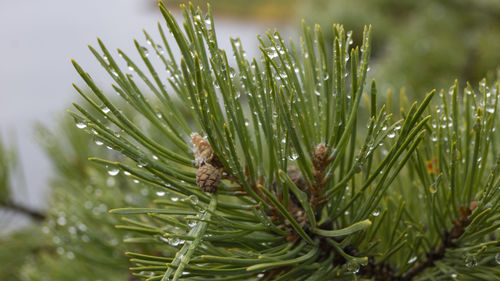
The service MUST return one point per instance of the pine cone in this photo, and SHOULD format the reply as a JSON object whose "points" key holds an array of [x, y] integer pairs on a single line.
{"points": [[208, 178]]}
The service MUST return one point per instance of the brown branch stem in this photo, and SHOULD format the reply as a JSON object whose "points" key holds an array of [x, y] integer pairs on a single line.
{"points": [[34, 214], [384, 272]]}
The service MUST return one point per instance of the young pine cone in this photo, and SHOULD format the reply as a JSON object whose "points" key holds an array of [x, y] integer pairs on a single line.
{"points": [[208, 178]]}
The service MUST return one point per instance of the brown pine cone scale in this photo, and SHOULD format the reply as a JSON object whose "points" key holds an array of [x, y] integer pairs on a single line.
{"points": [[208, 178]]}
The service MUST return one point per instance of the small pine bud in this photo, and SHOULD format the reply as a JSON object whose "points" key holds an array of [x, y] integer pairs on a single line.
{"points": [[319, 157], [203, 152], [208, 178], [473, 205]]}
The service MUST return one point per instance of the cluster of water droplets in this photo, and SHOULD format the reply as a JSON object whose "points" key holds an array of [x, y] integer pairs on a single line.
{"points": [[352, 267], [470, 261]]}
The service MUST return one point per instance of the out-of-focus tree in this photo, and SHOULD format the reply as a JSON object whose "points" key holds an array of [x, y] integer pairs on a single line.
{"points": [[420, 44]]}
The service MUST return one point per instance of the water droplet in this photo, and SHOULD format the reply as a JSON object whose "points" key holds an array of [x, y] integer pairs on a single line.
{"points": [[391, 135], [454, 275], [376, 212], [60, 250], [88, 204], [70, 255], [145, 50], [98, 142], [194, 199], [272, 53], [192, 223], [113, 171], [497, 257], [56, 240], [82, 227], [174, 241], [174, 199], [85, 238], [160, 193], [352, 267], [159, 48], [293, 157], [470, 261], [61, 221], [72, 230], [104, 109], [412, 260], [81, 125]]}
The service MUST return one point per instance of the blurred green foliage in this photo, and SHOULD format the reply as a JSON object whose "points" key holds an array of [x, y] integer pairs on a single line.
{"points": [[7, 164], [77, 239], [420, 45], [260, 10]]}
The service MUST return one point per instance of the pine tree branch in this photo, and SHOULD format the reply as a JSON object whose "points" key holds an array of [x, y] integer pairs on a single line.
{"points": [[34, 214], [447, 243], [383, 272]]}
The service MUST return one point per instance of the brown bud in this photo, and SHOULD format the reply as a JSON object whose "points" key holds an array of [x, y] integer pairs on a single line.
{"points": [[319, 157], [208, 178], [473, 205], [203, 152]]}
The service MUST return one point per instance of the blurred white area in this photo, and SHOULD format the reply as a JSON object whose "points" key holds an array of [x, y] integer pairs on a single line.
{"points": [[38, 39]]}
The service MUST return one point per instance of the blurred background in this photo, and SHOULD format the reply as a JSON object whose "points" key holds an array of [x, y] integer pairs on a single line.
{"points": [[418, 45]]}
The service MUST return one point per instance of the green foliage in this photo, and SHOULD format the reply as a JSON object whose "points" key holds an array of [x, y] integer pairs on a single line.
{"points": [[7, 165], [77, 239], [302, 185], [421, 44], [18, 249]]}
